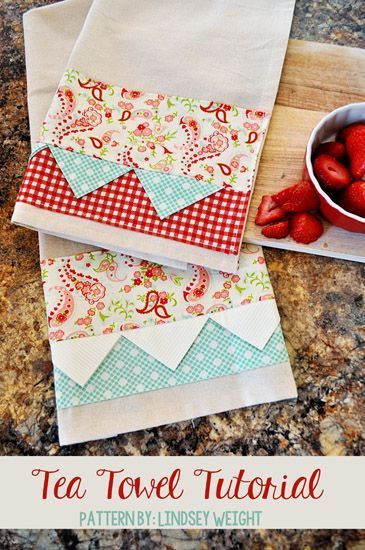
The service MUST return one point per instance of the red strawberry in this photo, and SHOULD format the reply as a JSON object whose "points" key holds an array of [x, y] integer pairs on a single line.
{"points": [[268, 211], [345, 132], [300, 197], [355, 145], [305, 173], [331, 173], [352, 198], [305, 228], [277, 230], [333, 148]]}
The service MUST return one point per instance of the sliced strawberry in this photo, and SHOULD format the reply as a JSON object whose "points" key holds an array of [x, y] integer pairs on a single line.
{"points": [[305, 228], [352, 198], [355, 145], [333, 148], [300, 197], [268, 211], [278, 230], [331, 173], [345, 132]]}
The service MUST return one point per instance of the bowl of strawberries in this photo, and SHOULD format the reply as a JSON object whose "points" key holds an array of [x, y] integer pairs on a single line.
{"points": [[335, 165], [333, 182]]}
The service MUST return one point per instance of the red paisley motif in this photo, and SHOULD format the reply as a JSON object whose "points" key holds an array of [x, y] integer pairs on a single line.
{"points": [[153, 304], [198, 286], [219, 111]]}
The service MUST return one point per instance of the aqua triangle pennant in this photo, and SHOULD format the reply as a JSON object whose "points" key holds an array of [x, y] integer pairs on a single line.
{"points": [[169, 193], [83, 173]]}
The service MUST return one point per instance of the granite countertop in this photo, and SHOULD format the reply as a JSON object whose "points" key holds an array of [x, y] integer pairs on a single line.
{"points": [[321, 302]]}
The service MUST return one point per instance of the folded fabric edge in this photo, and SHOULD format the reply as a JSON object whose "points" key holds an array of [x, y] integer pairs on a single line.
{"points": [[80, 358], [55, 247], [253, 323], [118, 239], [143, 411], [153, 339]]}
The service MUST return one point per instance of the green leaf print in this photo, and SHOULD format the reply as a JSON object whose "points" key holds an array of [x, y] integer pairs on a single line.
{"points": [[103, 317], [71, 75], [170, 135], [240, 289], [233, 178], [141, 298], [44, 130], [156, 119], [170, 159], [189, 104], [171, 298], [260, 280], [131, 137], [122, 309], [110, 256]]}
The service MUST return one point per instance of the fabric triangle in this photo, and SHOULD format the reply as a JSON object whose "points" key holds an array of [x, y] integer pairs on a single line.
{"points": [[254, 323], [83, 173], [167, 343], [170, 193], [79, 358]]}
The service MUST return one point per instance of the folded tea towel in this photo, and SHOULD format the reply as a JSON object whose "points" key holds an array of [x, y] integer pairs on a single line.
{"points": [[157, 149], [117, 397]]}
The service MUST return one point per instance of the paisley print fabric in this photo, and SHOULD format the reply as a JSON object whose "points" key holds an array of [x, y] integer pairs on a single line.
{"points": [[103, 292], [206, 140]]}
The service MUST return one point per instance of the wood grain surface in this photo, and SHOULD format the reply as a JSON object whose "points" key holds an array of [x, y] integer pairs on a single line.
{"points": [[316, 79]]}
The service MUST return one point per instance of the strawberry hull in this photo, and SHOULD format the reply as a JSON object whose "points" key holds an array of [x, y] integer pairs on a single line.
{"points": [[325, 131]]}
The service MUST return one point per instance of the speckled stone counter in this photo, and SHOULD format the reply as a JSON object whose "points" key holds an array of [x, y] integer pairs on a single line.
{"points": [[321, 302]]}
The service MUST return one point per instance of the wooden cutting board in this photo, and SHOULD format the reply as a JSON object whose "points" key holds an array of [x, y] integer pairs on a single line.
{"points": [[316, 79]]}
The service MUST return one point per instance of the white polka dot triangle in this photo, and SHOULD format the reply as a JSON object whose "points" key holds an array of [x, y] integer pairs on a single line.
{"points": [[83, 173], [169, 193]]}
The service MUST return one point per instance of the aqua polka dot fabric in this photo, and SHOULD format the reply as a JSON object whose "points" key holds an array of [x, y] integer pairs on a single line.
{"points": [[128, 370], [83, 173], [170, 193]]}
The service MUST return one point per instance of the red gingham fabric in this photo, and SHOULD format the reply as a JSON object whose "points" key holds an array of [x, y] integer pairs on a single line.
{"points": [[215, 222]]}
